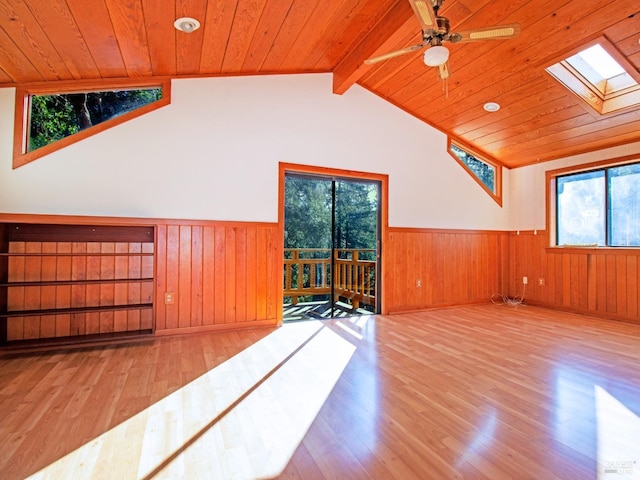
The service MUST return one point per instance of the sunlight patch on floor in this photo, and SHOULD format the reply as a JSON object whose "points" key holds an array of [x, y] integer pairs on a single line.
{"points": [[243, 419], [618, 439]]}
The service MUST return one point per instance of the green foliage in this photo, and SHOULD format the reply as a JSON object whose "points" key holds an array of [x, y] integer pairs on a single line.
{"points": [[57, 116], [356, 216], [486, 173], [52, 118], [308, 220], [307, 213], [308, 205]]}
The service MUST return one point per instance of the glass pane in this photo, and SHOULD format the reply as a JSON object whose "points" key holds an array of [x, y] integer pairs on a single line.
{"points": [[54, 117], [581, 206], [486, 173], [600, 60], [624, 205], [355, 237], [307, 247]]}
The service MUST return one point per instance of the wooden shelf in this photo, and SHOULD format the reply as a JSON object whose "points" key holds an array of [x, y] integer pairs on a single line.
{"points": [[70, 310], [32, 232], [16, 346], [53, 283], [48, 278]]}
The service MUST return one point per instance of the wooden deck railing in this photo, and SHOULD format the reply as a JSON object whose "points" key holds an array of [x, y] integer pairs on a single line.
{"points": [[307, 271]]}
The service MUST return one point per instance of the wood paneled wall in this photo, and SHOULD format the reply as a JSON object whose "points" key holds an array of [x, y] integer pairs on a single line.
{"points": [[601, 282], [225, 275], [220, 275], [454, 267]]}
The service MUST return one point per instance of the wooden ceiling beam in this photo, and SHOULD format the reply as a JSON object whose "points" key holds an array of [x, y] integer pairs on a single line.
{"points": [[384, 37]]}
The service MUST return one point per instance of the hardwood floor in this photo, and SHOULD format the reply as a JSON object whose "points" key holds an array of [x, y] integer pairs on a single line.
{"points": [[482, 392]]}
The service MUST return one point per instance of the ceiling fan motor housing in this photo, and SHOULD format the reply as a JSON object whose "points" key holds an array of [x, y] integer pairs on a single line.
{"points": [[443, 26]]}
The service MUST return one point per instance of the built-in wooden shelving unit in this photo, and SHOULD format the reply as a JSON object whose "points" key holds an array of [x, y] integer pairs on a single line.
{"points": [[64, 284]]}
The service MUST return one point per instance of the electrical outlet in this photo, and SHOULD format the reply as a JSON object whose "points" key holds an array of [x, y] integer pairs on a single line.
{"points": [[169, 298], [418, 283], [541, 282], [525, 280]]}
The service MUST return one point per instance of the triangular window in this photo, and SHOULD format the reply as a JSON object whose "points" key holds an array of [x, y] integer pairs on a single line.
{"points": [[53, 119], [488, 174]]}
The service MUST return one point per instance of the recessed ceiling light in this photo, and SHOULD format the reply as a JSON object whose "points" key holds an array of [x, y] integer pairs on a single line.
{"points": [[186, 24], [491, 107]]}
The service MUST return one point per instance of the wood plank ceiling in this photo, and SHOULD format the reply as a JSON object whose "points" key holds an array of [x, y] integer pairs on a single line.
{"points": [[53, 40]]}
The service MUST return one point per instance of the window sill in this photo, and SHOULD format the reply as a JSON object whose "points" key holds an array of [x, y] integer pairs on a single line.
{"points": [[592, 249]]}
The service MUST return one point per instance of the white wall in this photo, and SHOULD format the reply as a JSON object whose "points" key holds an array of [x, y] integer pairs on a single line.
{"points": [[527, 187], [214, 153]]}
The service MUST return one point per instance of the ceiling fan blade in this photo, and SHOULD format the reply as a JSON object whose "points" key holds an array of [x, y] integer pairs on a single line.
{"points": [[424, 11], [397, 53], [443, 71], [488, 33]]}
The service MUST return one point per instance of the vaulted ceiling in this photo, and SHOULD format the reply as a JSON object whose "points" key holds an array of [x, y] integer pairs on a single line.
{"points": [[53, 40]]}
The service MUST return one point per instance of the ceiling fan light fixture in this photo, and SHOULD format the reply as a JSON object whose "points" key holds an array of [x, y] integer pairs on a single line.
{"points": [[436, 56], [491, 106], [186, 24]]}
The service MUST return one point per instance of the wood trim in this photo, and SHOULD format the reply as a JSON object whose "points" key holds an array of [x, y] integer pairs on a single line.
{"points": [[22, 157], [583, 167], [171, 332], [115, 221], [594, 250], [67, 311], [444, 230], [34, 232], [283, 168], [67, 343]]}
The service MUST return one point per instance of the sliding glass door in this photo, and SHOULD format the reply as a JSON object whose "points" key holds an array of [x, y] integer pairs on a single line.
{"points": [[331, 242]]}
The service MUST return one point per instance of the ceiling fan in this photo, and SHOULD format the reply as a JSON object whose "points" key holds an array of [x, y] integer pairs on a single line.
{"points": [[435, 31]]}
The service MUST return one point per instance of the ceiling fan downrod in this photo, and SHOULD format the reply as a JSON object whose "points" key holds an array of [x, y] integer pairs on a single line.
{"points": [[436, 4]]}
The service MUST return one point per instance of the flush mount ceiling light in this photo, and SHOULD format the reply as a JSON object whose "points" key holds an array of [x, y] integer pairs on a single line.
{"points": [[186, 24], [491, 107], [436, 56]]}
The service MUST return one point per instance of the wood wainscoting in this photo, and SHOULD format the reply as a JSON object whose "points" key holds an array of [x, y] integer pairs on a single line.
{"points": [[429, 268], [594, 281], [194, 276], [211, 275], [219, 274]]}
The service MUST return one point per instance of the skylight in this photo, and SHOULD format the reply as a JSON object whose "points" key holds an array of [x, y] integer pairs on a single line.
{"points": [[598, 59], [597, 66], [601, 76]]}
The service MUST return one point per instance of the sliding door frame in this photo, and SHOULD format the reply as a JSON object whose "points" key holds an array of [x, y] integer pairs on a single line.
{"points": [[383, 201]]}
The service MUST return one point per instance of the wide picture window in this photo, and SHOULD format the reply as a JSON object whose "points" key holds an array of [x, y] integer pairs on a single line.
{"points": [[599, 207]]}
